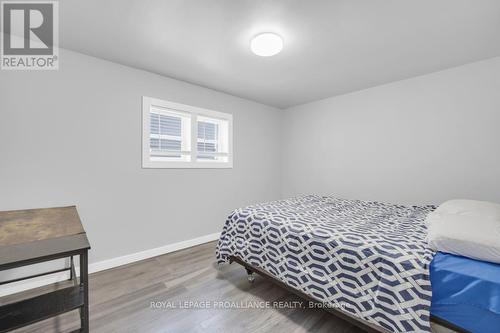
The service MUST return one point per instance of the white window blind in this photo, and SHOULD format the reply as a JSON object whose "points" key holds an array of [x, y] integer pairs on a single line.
{"points": [[169, 135], [169, 128], [212, 139]]}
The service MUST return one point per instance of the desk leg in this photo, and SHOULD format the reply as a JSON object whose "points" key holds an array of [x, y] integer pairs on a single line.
{"points": [[84, 283], [71, 268]]}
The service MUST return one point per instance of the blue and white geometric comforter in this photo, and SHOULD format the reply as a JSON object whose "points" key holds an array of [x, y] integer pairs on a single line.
{"points": [[369, 257]]}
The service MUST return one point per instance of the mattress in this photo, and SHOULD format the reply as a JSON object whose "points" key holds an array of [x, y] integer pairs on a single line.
{"points": [[466, 292], [369, 259]]}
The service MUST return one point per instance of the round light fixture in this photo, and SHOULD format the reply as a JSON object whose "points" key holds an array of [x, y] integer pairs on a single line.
{"points": [[266, 44]]}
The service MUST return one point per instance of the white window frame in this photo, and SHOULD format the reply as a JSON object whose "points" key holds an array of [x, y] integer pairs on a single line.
{"points": [[194, 112]]}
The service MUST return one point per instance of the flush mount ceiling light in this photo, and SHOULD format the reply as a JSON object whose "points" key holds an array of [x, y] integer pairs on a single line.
{"points": [[266, 44]]}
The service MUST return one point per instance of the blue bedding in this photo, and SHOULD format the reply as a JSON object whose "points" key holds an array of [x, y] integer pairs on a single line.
{"points": [[466, 292]]}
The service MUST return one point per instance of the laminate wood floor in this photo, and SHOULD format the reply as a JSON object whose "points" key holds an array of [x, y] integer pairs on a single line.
{"points": [[120, 300]]}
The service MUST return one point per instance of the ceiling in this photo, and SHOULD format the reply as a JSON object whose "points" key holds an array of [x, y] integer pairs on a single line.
{"points": [[331, 46]]}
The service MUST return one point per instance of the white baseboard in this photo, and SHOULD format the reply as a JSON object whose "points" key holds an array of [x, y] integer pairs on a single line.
{"points": [[17, 287], [107, 264], [119, 261]]}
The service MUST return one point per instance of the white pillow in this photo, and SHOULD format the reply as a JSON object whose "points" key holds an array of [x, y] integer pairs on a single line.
{"points": [[466, 227], [481, 209]]}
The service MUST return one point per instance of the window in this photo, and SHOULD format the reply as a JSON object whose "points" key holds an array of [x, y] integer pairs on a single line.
{"points": [[183, 136], [169, 138], [212, 140]]}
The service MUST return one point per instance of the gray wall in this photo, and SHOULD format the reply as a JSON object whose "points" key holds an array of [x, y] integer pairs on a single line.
{"points": [[73, 136], [422, 140]]}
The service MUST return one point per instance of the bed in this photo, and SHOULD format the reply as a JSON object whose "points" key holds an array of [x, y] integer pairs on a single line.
{"points": [[367, 261]]}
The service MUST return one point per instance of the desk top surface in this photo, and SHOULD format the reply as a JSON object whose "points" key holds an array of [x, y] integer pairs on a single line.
{"points": [[23, 226], [32, 234]]}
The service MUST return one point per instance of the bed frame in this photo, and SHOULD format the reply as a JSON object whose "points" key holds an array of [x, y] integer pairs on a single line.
{"points": [[364, 325]]}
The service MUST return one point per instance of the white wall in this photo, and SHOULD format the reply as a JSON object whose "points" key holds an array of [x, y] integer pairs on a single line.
{"points": [[73, 136], [422, 140]]}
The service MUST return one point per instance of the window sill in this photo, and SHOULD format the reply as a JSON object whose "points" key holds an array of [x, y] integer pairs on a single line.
{"points": [[186, 165]]}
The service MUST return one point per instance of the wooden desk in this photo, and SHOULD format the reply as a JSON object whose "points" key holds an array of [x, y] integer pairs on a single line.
{"points": [[37, 235]]}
